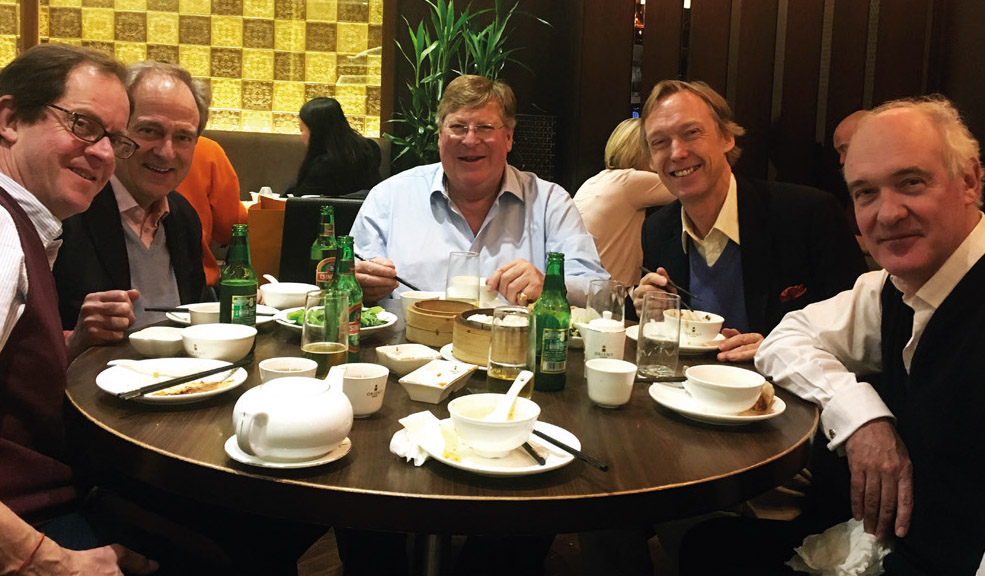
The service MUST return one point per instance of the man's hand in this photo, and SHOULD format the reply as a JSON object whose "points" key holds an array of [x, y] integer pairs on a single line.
{"points": [[103, 317], [110, 560], [738, 347], [377, 278], [518, 281], [882, 478], [658, 281]]}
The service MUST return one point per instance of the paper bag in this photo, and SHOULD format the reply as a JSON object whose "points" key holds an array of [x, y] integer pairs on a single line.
{"points": [[266, 222]]}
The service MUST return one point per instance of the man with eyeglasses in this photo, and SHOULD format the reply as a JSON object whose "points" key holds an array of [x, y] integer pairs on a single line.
{"points": [[63, 110], [139, 232], [472, 200]]}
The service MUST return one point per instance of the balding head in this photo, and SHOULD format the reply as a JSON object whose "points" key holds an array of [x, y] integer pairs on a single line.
{"points": [[843, 133]]}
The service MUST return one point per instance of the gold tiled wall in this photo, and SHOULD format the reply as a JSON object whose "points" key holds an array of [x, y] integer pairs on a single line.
{"points": [[262, 58]]}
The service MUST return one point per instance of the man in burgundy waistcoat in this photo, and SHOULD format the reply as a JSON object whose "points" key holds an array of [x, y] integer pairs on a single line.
{"points": [[63, 114]]}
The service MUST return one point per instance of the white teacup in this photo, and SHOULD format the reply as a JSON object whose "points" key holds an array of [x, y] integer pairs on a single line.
{"points": [[272, 368], [408, 298], [610, 381], [203, 313], [364, 384], [292, 419]]}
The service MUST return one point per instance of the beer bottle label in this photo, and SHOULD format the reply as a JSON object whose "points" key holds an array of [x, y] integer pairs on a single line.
{"points": [[325, 271], [554, 351], [355, 320], [244, 309]]}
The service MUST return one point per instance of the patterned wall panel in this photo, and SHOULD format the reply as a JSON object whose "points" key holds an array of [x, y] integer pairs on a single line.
{"points": [[262, 58]]}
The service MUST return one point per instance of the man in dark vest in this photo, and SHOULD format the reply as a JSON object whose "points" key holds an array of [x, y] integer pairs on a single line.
{"points": [[63, 113], [912, 437]]}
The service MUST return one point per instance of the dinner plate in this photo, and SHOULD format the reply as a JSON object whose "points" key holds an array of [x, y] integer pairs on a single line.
{"points": [[236, 453], [116, 379], [448, 353], [184, 319], [389, 317], [678, 400], [517, 462], [633, 333]]}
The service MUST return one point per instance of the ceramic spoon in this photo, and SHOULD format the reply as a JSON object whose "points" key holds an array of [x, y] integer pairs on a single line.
{"points": [[270, 278], [502, 412]]}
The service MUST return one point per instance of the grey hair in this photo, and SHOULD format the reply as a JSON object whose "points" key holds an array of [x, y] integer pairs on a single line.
{"points": [[200, 91]]}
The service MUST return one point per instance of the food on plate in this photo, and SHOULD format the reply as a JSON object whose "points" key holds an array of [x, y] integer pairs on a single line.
{"points": [[194, 387], [370, 317], [765, 402]]}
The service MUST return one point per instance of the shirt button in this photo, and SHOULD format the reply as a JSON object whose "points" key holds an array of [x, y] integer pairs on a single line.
{"points": [[831, 433]]}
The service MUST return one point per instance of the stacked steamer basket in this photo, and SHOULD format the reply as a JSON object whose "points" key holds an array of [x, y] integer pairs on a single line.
{"points": [[431, 322], [471, 336]]}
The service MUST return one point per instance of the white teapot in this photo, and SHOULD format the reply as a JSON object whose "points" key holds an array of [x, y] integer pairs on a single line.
{"points": [[604, 337], [292, 419]]}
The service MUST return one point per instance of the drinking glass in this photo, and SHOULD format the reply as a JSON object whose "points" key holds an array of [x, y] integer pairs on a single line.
{"points": [[508, 350], [325, 330], [463, 277], [605, 295], [658, 343]]}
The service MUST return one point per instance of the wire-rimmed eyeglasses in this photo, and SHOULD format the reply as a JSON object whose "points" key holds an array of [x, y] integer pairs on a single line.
{"points": [[88, 129], [482, 131]]}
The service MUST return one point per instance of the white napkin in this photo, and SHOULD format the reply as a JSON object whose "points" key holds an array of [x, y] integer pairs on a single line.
{"points": [[421, 428], [842, 550]]}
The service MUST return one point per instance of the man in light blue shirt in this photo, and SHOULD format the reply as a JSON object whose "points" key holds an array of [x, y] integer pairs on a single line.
{"points": [[473, 201]]}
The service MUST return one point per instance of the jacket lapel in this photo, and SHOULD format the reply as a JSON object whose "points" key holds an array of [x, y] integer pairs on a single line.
{"points": [[105, 229], [754, 235]]}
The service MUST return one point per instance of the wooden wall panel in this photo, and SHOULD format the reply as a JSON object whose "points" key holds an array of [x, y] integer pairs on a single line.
{"points": [[661, 44], [707, 58], [754, 83], [901, 49], [846, 84]]}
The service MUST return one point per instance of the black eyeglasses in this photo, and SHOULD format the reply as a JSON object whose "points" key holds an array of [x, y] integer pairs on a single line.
{"points": [[89, 129]]}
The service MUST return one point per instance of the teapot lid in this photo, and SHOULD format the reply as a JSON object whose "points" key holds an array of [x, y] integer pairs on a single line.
{"points": [[606, 323]]}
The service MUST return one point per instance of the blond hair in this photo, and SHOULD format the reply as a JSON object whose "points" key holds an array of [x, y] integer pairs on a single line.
{"points": [[623, 150], [717, 106], [469, 91]]}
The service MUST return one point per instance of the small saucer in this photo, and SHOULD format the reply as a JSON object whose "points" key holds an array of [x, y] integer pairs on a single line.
{"points": [[236, 453], [448, 353], [633, 333], [678, 400]]}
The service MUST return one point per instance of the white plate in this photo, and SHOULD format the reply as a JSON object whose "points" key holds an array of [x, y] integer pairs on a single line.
{"points": [[389, 317], [184, 319], [633, 333], [236, 453], [116, 379], [449, 354], [678, 400], [517, 462]]}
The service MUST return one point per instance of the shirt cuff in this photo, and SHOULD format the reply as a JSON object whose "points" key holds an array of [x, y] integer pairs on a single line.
{"points": [[847, 411]]}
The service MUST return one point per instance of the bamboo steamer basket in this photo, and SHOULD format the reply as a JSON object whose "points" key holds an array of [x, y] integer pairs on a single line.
{"points": [[470, 338], [431, 322]]}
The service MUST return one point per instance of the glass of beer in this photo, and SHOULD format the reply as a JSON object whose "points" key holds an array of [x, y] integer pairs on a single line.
{"points": [[325, 330], [658, 344], [508, 350], [462, 282]]}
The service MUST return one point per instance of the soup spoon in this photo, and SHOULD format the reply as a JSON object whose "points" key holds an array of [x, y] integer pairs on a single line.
{"points": [[502, 412]]}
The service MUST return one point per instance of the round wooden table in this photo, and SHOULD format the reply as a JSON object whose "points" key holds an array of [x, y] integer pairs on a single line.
{"points": [[661, 465]]}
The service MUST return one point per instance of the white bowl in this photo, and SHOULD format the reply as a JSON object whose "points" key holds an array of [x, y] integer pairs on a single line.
{"points": [[492, 439], [434, 381], [285, 294], [229, 342], [203, 312], [723, 389], [273, 368], [408, 298], [157, 341], [698, 327], [403, 359]]}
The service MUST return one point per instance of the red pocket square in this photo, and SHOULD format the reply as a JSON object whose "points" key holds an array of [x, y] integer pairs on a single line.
{"points": [[792, 293]]}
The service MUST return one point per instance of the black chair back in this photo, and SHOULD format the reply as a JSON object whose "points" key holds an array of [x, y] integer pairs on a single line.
{"points": [[301, 219]]}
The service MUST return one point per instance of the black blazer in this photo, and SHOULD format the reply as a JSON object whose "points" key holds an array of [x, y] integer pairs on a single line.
{"points": [[791, 237], [93, 255]]}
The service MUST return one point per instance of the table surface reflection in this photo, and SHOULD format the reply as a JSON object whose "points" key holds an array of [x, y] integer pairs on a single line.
{"points": [[661, 465]]}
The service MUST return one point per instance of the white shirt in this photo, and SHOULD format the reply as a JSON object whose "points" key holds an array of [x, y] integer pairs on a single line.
{"points": [[817, 352], [726, 228], [13, 269]]}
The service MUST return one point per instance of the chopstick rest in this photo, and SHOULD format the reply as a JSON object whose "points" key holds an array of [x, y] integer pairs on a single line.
{"points": [[131, 394], [574, 452]]}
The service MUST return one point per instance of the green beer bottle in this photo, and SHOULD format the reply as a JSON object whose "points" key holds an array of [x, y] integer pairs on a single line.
{"points": [[238, 282], [345, 279], [323, 250], [547, 349]]}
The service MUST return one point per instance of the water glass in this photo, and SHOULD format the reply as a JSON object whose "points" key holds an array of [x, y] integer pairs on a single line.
{"points": [[463, 277], [508, 350], [325, 329], [606, 295], [658, 343]]}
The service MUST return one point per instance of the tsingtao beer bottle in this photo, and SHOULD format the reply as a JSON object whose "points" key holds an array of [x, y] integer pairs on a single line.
{"points": [[324, 250], [238, 282], [345, 279], [547, 351]]}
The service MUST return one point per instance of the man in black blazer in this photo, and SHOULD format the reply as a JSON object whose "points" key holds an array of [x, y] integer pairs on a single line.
{"points": [[116, 244], [795, 246]]}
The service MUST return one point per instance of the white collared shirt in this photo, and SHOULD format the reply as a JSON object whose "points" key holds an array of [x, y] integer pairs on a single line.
{"points": [[726, 228]]}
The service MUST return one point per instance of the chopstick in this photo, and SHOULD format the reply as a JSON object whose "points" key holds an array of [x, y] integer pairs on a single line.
{"points": [[186, 310], [574, 452], [131, 394], [671, 283], [533, 454], [663, 379], [397, 278]]}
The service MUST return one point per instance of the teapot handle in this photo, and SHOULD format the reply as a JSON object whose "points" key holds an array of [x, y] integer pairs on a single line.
{"points": [[250, 437]]}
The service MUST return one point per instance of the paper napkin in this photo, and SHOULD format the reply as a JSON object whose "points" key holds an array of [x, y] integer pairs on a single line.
{"points": [[842, 550], [419, 429]]}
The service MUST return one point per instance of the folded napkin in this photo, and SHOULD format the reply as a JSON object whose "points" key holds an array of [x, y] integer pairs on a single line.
{"points": [[419, 429], [842, 550]]}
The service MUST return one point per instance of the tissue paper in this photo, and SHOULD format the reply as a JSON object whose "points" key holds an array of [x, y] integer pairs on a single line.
{"points": [[842, 550]]}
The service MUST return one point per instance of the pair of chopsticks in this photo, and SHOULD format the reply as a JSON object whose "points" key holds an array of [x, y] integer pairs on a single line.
{"points": [[672, 284], [175, 309], [573, 451], [397, 278], [131, 394]]}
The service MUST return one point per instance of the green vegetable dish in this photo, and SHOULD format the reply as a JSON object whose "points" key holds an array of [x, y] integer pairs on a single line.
{"points": [[370, 317]]}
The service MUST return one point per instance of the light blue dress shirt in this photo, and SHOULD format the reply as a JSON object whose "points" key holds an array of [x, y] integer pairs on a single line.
{"points": [[410, 219]]}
